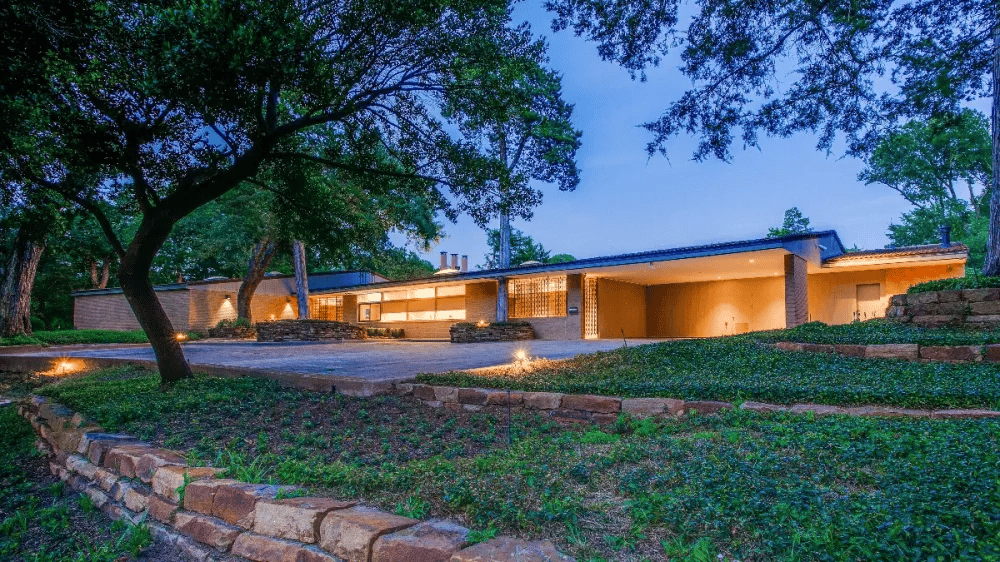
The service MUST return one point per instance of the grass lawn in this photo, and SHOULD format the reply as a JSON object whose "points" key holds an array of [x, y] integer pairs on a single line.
{"points": [[738, 486], [72, 337]]}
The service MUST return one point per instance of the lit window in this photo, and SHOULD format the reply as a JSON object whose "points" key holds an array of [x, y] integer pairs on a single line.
{"points": [[369, 312], [540, 297], [328, 308]]}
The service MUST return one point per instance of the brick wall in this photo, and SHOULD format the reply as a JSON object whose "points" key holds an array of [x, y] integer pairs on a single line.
{"points": [[569, 327], [796, 291], [112, 311], [481, 301]]}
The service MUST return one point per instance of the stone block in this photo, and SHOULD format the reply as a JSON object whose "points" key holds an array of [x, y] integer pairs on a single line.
{"points": [[472, 408], [887, 412], [936, 320], [313, 554], [959, 308], [423, 392], [965, 414], [136, 499], [592, 403], [96, 495], [789, 346], [542, 400], [991, 353], [982, 321], [949, 295], [105, 479], [404, 388], [817, 409], [951, 353], [81, 466], [506, 549], [981, 295], [908, 351], [898, 300], [985, 307], [705, 407], [763, 407], [850, 350], [235, 503], [472, 396], [896, 312], [154, 459], [446, 394], [169, 479], [199, 496], [206, 530], [265, 549], [296, 519], [922, 298], [194, 551], [645, 407], [95, 444], [504, 398], [570, 416], [117, 513], [123, 459], [430, 541], [162, 510], [817, 348], [351, 533]]}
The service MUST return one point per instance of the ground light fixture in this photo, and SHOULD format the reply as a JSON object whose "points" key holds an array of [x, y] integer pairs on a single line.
{"points": [[65, 366], [482, 324], [521, 355], [181, 336]]}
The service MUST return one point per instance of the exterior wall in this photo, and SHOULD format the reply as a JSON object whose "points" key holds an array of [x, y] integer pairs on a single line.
{"points": [[270, 302], [715, 308], [796, 291], [568, 327], [621, 307], [833, 296], [481, 301], [427, 330], [112, 312]]}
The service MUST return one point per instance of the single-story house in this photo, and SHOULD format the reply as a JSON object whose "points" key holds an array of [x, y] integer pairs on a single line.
{"points": [[698, 291]]}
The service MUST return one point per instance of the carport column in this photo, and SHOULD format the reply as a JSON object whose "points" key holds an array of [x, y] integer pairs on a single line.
{"points": [[351, 309], [574, 300], [796, 291]]}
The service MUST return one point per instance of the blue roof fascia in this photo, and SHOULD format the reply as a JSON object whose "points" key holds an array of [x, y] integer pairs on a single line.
{"points": [[671, 254]]}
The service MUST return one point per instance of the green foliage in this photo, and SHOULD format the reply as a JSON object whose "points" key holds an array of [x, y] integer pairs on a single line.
{"points": [[77, 337], [794, 223], [384, 332], [37, 324], [522, 249], [745, 368], [972, 282], [878, 331]]}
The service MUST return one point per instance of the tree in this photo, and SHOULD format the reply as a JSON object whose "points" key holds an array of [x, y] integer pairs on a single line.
{"points": [[927, 160], [523, 248], [176, 103], [856, 68], [794, 223], [530, 131], [922, 226]]}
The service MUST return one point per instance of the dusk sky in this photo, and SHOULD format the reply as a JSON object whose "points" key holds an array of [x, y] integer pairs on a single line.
{"points": [[627, 202]]}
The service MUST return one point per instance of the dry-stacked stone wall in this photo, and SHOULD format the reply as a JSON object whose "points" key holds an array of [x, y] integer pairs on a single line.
{"points": [[908, 351], [211, 518], [970, 308], [308, 330], [233, 332], [467, 332]]}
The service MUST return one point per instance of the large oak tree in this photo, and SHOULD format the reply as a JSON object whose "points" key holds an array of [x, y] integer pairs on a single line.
{"points": [[175, 103]]}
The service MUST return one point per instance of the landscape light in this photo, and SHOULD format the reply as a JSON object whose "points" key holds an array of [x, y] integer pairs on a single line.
{"points": [[521, 355], [482, 324], [65, 366], [181, 336]]}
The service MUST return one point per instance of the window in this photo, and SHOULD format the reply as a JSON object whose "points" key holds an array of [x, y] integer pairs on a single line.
{"points": [[329, 308], [539, 297], [369, 312]]}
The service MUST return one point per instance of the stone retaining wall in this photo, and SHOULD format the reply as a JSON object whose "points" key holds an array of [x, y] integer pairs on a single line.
{"points": [[233, 332], [308, 330], [467, 332], [909, 351], [211, 518], [970, 308], [606, 409]]}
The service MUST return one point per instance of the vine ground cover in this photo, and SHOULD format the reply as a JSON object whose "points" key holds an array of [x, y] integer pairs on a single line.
{"points": [[739, 486], [76, 337]]}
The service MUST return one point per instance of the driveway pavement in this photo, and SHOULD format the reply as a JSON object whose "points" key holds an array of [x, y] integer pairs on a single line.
{"points": [[370, 361]]}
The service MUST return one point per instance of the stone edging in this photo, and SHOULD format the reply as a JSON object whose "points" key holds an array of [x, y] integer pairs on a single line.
{"points": [[910, 351], [208, 518], [605, 409]]}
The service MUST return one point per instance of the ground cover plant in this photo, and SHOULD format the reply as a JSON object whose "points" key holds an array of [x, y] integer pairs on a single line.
{"points": [[739, 486], [876, 332], [41, 520], [969, 282], [740, 368], [75, 337]]}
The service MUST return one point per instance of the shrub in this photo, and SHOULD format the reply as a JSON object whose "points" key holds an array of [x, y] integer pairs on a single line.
{"points": [[225, 323], [974, 282], [37, 324]]}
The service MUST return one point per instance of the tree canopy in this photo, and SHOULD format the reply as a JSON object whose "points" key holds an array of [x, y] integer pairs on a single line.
{"points": [[523, 249], [794, 223]]}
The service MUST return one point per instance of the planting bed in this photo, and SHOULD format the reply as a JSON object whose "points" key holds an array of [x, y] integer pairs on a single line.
{"points": [[736, 485]]}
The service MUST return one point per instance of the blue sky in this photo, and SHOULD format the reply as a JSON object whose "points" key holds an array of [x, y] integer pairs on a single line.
{"points": [[627, 202]]}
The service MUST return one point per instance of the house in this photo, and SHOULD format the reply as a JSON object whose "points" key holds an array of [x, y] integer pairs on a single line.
{"points": [[698, 291]]}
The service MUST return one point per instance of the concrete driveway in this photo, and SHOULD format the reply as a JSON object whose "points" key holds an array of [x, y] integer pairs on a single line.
{"points": [[385, 360]]}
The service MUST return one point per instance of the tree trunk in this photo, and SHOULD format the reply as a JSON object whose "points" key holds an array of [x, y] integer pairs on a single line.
{"points": [[15, 295], [992, 264], [93, 272], [105, 273], [133, 274], [260, 259], [502, 297], [301, 278]]}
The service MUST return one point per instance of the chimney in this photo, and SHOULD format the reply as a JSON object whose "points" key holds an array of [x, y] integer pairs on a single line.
{"points": [[444, 260], [465, 264], [454, 261], [945, 231]]}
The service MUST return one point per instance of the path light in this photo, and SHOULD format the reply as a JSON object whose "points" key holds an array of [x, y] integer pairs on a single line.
{"points": [[181, 336], [65, 366], [521, 355], [482, 324]]}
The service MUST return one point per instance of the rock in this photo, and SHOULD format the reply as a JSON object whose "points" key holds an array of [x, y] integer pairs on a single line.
{"points": [[983, 321], [423, 392], [898, 300], [206, 530], [951, 353], [472, 396], [162, 510], [850, 350], [505, 549], [922, 298], [135, 499], [763, 407], [980, 295], [404, 388], [504, 398], [430, 541], [887, 411], [95, 444], [986, 307], [234, 503], [964, 414], [446, 394], [592, 403], [936, 320], [893, 351], [789, 346], [816, 409], [155, 458], [949, 295], [295, 519], [199, 496], [991, 353], [265, 549], [351, 533], [169, 479], [123, 459], [97, 496], [705, 407], [542, 400], [645, 407]]}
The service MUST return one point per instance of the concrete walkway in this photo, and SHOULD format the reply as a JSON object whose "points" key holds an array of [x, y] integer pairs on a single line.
{"points": [[381, 361]]}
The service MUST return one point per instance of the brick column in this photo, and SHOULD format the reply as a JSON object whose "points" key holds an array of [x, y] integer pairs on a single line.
{"points": [[351, 309], [796, 291], [574, 299]]}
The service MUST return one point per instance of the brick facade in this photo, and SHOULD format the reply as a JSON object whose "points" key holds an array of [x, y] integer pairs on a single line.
{"points": [[796, 291], [112, 311]]}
